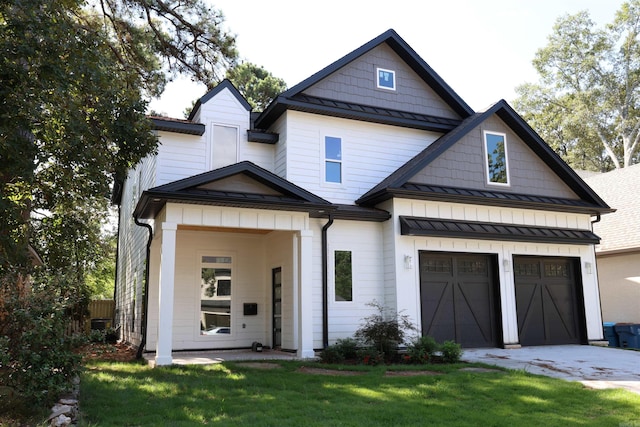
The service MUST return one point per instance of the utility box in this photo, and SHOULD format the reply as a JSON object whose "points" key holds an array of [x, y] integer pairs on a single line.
{"points": [[628, 335]]}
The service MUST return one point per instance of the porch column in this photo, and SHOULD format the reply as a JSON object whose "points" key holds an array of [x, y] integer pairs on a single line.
{"points": [[305, 294], [165, 298]]}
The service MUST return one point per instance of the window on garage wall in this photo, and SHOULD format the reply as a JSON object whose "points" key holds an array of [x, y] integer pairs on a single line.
{"points": [[343, 276]]}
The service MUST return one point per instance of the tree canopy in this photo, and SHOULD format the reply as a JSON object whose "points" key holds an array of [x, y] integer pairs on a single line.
{"points": [[76, 78], [586, 104], [256, 84]]}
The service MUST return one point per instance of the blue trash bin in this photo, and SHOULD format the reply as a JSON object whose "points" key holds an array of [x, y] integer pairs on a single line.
{"points": [[610, 334], [628, 335]]}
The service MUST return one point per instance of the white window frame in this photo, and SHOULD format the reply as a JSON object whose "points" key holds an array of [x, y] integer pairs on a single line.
{"points": [[486, 158], [212, 142], [198, 292], [385, 70], [325, 160]]}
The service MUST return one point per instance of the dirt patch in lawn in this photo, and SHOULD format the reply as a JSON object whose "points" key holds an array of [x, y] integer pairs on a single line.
{"points": [[410, 373], [321, 371], [481, 370], [259, 365], [107, 352]]}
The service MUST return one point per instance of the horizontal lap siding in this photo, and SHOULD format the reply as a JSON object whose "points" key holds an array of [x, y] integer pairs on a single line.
{"points": [[370, 152]]}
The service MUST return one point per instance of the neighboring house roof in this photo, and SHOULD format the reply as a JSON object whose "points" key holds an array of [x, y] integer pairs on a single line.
{"points": [[294, 99], [398, 183], [262, 190], [620, 231]]}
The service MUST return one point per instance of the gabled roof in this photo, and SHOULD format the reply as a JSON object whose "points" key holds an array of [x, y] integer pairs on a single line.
{"points": [[225, 84], [398, 183], [284, 194], [291, 99], [619, 231], [177, 126]]}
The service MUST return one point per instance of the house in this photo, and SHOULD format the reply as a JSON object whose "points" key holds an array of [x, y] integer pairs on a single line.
{"points": [[371, 180], [618, 254]]}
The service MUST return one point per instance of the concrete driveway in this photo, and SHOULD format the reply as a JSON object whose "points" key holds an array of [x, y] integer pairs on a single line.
{"points": [[595, 367]]}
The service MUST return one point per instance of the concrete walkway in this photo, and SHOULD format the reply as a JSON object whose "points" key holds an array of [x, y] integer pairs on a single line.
{"points": [[595, 367]]}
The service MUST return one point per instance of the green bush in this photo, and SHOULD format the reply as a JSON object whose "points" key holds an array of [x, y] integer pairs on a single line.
{"points": [[451, 352], [421, 350], [384, 331], [370, 356], [332, 354], [348, 347]]}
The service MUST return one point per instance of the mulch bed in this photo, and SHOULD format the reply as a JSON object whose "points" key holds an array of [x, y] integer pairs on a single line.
{"points": [[321, 371], [410, 373], [107, 353]]}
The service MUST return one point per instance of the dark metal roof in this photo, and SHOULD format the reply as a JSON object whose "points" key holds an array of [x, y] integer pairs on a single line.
{"points": [[225, 84], [178, 126], [414, 226], [329, 107], [358, 213], [255, 135], [412, 190], [290, 196], [394, 183], [400, 47]]}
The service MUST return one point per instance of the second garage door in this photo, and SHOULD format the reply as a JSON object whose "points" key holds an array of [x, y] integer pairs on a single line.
{"points": [[548, 301], [459, 298]]}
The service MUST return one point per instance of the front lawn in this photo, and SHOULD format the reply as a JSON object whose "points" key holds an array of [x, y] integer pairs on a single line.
{"points": [[307, 394]]}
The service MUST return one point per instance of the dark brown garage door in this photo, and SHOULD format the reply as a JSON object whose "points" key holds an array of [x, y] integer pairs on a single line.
{"points": [[548, 301], [458, 297]]}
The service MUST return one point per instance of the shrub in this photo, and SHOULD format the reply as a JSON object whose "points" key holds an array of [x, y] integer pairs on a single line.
{"points": [[96, 336], [421, 350], [332, 354], [451, 352], [370, 356], [384, 331], [348, 347]]}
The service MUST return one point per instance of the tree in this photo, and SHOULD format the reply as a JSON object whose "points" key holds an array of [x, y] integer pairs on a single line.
{"points": [[76, 76], [587, 102], [256, 84]]}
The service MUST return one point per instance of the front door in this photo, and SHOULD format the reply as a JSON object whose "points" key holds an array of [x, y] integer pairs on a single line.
{"points": [[276, 278]]}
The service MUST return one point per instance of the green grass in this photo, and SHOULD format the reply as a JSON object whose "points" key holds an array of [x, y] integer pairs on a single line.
{"points": [[231, 395]]}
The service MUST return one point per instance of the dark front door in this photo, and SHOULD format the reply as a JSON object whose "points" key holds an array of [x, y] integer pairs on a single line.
{"points": [[459, 298], [548, 301], [276, 279]]}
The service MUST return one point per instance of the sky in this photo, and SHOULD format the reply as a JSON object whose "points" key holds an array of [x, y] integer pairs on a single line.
{"points": [[482, 48]]}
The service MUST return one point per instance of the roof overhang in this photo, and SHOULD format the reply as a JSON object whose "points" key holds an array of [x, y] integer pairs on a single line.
{"points": [[417, 226], [177, 126]]}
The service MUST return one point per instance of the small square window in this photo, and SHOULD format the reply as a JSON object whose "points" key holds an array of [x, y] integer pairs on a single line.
{"points": [[495, 145], [386, 79]]}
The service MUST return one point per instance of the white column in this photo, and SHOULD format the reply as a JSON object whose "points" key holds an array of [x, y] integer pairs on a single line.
{"points": [[305, 294], [165, 297]]}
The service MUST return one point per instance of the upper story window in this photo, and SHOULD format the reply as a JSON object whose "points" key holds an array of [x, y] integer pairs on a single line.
{"points": [[332, 159], [495, 145], [386, 79], [224, 149]]}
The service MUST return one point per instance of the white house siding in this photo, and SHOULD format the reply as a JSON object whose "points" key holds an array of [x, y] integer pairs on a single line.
{"points": [[370, 153], [408, 280], [620, 287], [131, 254], [254, 256], [364, 240], [280, 150], [180, 156]]}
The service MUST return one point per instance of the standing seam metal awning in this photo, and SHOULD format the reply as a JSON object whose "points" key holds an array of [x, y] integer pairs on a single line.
{"points": [[416, 226]]}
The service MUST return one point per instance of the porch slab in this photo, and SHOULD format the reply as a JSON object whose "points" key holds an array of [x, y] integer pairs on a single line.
{"points": [[209, 357]]}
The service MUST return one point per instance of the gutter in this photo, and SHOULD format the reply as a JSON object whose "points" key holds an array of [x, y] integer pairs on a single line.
{"points": [[325, 284], [145, 300]]}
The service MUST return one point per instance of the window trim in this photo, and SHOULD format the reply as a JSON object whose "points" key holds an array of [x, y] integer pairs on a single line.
{"points": [[326, 160], [486, 158], [386, 70]]}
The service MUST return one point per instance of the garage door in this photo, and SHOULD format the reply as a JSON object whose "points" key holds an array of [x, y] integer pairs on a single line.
{"points": [[458, 298], [548, 301]]}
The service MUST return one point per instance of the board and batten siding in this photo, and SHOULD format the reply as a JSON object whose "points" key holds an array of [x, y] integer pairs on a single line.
{"points": [[364, 240], [370, 153], [408, 280]]}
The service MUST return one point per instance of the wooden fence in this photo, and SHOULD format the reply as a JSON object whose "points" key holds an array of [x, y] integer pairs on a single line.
{"points": [[100, 314]]}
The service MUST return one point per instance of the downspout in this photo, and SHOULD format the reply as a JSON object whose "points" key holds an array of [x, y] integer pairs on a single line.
{"points": [[598, 218], [145, 301], [325, 284]]}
